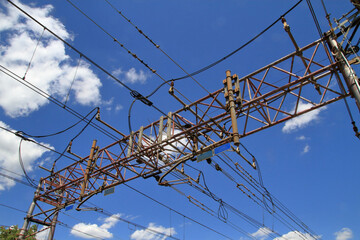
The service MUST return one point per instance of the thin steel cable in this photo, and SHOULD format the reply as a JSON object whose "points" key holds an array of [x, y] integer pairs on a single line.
{"points": [[29, 180], [54, 100], [72, 82], [241, 47], [33, 54], [73, 48], [158, 47], [314, 18], [17, 180], [127, 50]]}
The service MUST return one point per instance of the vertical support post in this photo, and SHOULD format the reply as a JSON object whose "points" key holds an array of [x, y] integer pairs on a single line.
{"points": [[89, 164], [346, 70], [28, 215], [169, 125], [141, 132], [161, 129], [53, 225], [131, 143], [232, 108]]}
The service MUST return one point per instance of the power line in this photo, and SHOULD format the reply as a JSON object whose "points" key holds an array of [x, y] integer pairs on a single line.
{"points": [[39, 144], [17, 180], [53, 100], [241, 47], [162, 204], [134, 93], [60, 223], [158, 47], [30, 181], [313, 14]]}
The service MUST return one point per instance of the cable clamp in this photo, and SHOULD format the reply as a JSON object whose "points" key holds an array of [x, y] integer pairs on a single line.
{"points": [[140, 97]]}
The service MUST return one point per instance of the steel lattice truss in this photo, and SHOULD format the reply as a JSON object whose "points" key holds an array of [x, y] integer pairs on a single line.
{"points": [[293, 85]]}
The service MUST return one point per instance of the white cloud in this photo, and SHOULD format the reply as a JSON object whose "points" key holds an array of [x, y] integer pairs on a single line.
{"points": [[51, 70], [118, 107], [306, 149], [94, 231], [303, 120], [90, 231], [111, 221], [344, 234], [296, 235], [147, 234], [131, 76], [9, 155], [262, 233], [301, 138]]}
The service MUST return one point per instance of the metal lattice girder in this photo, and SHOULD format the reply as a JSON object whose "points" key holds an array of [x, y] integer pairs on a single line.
{"points": [[270, 95]]}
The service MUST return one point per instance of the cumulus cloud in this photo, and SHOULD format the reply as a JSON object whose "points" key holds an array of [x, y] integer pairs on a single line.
{"points": [[296, 235], [306, 149], [301, 138], [131, 76], [94, 231], [9, 155], [303, 120], [51, 69], [152, 233], [344, 234], [262, 233]]}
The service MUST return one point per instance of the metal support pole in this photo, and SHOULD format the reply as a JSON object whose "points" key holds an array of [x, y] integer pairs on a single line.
{"points": [[232, 108], [89, 164], [28, 215], [352, 81], [53, 225]]}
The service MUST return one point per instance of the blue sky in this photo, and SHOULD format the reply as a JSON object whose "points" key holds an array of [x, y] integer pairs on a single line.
{"points": [[309, 163]]}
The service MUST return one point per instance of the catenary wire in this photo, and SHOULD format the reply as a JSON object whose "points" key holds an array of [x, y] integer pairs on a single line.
{"points": [[27, 184], [28, 179], [72, 82], [241, 47], [60, 223], [313, 14], [53, 100], [17, 180], [162, 204], [281, 207], [133, 93], [277, 216]]}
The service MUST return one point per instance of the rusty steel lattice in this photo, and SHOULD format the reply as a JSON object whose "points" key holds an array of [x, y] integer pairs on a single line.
{"points": [[300, 82]]}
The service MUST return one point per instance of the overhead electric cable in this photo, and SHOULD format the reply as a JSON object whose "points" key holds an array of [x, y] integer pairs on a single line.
{"points": [[29, 180], [162, 204], [33, 54], [275, 201], [241, 47], [17, 180], [60, 223], [109, 214], [134, 93], [64, 130], [72, 82], [39, 144], [315, 18], [158, 47], [53, 100]]}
